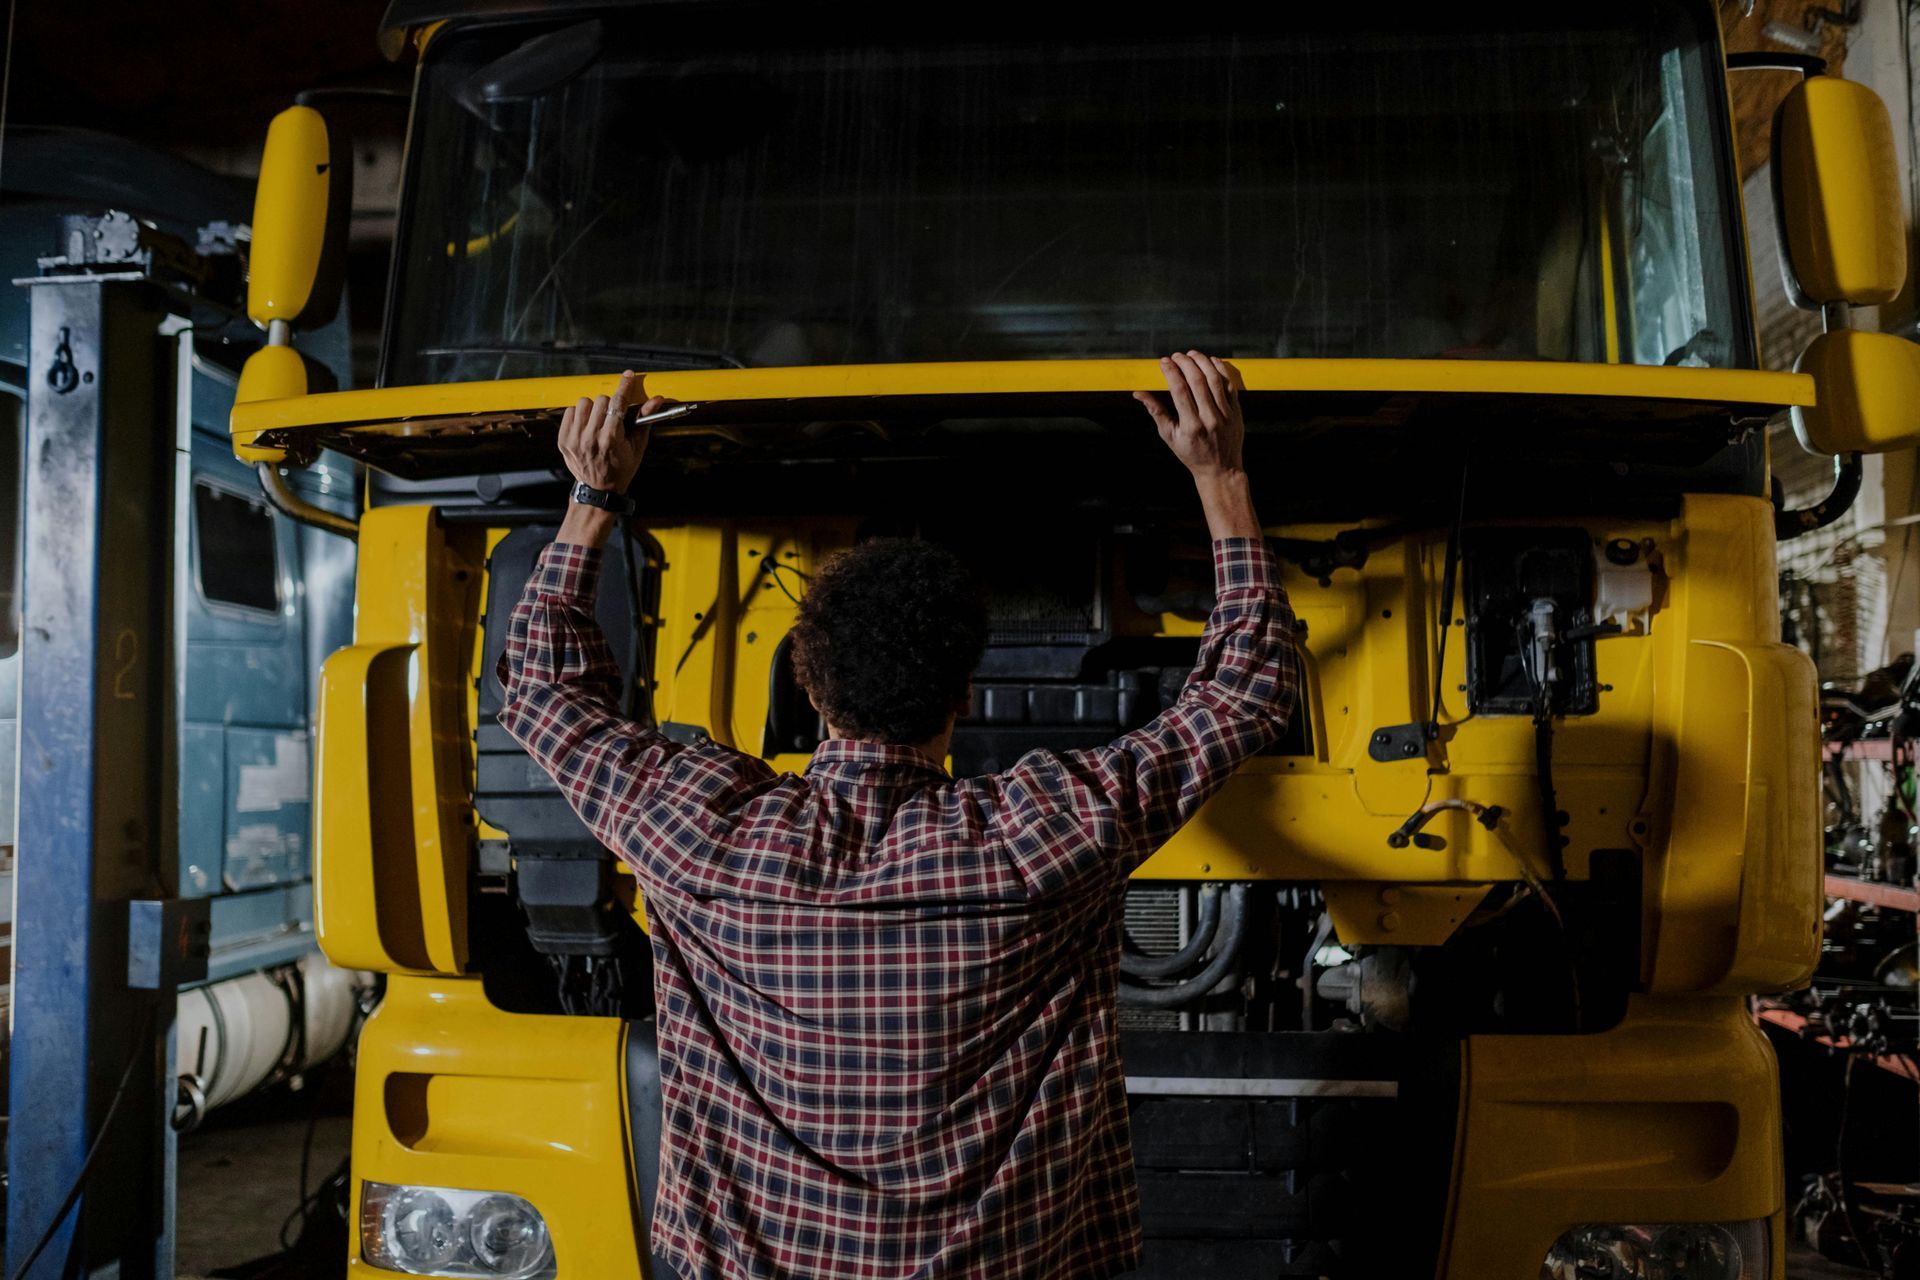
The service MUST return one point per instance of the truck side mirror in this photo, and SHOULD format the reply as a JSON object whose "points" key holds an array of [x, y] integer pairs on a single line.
{"points": [[300, 211], [1868, 389], [297, 267], [1844, 243], [1837, 184]]}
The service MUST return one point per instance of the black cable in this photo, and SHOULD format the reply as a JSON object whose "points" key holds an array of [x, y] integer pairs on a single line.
{"points": [[1549, 801], [768, 568], [1447, 579], [1840, 1164], [773, 569], [644, 678], [304, 1209], [310, 1205], [141, 1048]]}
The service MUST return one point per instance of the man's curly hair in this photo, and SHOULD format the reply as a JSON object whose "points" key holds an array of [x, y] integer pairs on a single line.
{"points": [[887, 638]]}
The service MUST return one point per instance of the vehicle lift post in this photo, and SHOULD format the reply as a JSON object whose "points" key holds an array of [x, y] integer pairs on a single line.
{"points": [[101, 939]]}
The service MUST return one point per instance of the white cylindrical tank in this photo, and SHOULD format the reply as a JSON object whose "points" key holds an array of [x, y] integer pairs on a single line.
{"points": [[332, 1007], [233, 1036]]}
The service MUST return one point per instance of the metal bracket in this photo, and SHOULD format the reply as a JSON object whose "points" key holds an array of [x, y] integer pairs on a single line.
{"points": [[1396, 742], [168, 942]]}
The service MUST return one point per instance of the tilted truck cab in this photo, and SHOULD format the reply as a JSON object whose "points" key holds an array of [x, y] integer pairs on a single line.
{"points": [[1451, 980]]}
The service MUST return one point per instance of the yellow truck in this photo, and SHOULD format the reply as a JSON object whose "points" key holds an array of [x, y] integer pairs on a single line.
{"points": [[1451, 981]]}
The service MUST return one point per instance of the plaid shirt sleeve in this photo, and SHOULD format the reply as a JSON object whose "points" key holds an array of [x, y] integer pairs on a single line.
{"points": [[563, 698], [1132, 795]]}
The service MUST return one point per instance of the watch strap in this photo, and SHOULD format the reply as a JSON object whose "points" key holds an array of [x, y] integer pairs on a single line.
{"points": [[605, 499]]}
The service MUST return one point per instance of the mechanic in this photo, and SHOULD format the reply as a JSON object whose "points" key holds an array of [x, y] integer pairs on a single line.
{"points": [[885, 995]]}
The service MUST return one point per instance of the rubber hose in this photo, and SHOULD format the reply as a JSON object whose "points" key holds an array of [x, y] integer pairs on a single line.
{"points": [[1223, 960], [1139, 965]]}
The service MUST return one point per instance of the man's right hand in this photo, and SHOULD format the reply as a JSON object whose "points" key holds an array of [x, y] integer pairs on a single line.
{"points": [[1203, 427], [1205, 430]]}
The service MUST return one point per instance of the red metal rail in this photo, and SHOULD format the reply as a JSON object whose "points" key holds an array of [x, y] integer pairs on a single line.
{"points": [[1898, 897], [1787, 1020]]}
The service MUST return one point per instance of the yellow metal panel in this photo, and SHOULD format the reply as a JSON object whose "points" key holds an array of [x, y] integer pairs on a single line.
{"points": [[451, 1091], [428, 409], [1869, 385], [289, 216], [1404, 915], [1839, 186], [482, 829], [689, 662], [1730, 827], [1327, 816], [365, 891], [418, 587], [1670, 1116], [1780, 886], [772, 562], [271, 373], [766, 614]]}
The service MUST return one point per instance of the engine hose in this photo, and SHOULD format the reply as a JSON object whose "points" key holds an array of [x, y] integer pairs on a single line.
{"points": [[1139, 965], [1223, 960]]}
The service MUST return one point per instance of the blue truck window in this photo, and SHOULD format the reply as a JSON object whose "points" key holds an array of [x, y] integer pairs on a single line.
{"points": [[235, 554]]}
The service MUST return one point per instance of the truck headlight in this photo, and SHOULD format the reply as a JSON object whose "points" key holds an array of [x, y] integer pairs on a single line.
{"points": [[1661, 1251], [445, 1231]]}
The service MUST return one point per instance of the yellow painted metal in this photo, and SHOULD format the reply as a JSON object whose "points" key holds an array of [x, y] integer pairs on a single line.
{"points": [[1401, 915], [417, 594], [693, 647], [271, 373], [1869, 385], [1839, 185], [289, 216], [426, 410], [1369, 654], [1673, 1115], [723, 612], [363, 849], [1732, 829], [483, 829], [451, 1091]]}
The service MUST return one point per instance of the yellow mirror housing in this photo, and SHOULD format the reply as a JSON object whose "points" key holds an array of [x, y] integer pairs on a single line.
{"points": [[1868, 393], [1838, 186], [271, 373], [294, 207]]}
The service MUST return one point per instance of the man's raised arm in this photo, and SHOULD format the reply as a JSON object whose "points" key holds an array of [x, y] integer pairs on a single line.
{"points": [[562, 685], [1134, 793]]}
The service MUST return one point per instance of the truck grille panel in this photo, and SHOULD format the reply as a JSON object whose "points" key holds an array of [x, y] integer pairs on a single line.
{"points": [[1157, 923], [1356, 1130]]}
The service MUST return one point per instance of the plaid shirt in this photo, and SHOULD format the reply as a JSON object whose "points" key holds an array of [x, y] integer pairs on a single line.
{"points": [[886, 996]]}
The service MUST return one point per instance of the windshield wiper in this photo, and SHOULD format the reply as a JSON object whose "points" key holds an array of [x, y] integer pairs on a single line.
{"points": [[670, 357]]}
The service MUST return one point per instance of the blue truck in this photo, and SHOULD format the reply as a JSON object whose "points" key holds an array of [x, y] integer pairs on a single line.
{"points": [[261, 600]]}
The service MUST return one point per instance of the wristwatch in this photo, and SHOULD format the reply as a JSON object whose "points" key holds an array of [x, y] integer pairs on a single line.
{"points": [[605, 499]]}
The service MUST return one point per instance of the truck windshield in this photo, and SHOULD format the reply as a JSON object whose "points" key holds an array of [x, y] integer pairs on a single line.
{"points": [[698, 186]]}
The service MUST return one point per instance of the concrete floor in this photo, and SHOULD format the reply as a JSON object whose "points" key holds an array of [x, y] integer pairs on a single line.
{"points": [[240, 1179], [1805, 1264]]}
